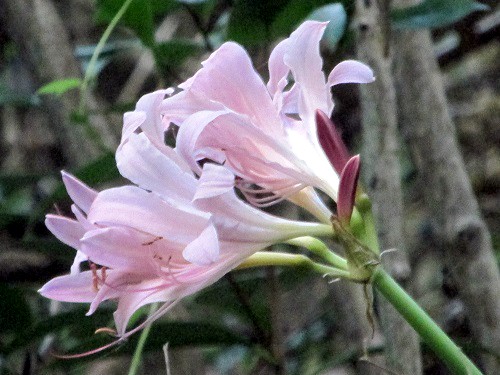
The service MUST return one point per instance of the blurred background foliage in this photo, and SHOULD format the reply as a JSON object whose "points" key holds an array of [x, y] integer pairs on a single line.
{"points": [[256, 321]]}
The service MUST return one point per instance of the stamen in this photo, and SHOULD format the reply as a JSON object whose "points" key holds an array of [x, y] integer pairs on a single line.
{"points": [[109, 331], [161, 311], [152, 241], [95, 277], [160, 263], [271, 197]]}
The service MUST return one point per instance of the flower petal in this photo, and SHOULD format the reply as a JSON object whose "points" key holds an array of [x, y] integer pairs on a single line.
{"points": [[153, 125], [188, 135], [305, 62], [70, 288], [278, 70], [120, 248], [228, 78], [143, 164], [131, 122], [350, 71], [249, 151], [203, 250], [79, 258], [135, 208], [131, 302], [65, 229], [215, 180], [80, 193]]}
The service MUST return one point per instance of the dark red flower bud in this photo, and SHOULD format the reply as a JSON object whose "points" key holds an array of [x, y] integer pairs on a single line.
{"points": [[347, 189], [331, 141]]}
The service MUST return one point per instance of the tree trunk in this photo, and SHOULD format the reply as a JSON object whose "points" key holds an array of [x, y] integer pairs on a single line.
{"points": [[430, 133], [382, 172]]}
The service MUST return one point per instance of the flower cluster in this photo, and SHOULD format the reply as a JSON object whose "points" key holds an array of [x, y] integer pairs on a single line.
{"points": [[182, 226]]}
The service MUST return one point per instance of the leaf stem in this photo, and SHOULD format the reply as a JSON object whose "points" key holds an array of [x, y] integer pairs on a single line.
{"points": [[90, 71], [136, 359], [428, 330]]}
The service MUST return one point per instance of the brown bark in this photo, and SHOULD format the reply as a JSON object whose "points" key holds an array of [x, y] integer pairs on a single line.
{"points": [[430, 133], [382, 171]]}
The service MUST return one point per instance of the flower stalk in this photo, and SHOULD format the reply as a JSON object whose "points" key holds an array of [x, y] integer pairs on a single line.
{"points": [[422, 323], [273, 258]]}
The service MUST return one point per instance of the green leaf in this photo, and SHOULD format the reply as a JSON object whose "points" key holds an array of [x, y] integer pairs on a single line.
{"points": [[19, 202], [75, 320], [292, 15], [10, 182], [249, 20], [337, 16], [434, 13], [15, 312], [138, 17], [191, 1], [60, 86], [179, 334], [174, 52]]}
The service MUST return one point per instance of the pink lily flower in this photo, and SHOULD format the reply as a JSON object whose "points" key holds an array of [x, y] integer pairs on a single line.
{"points": [[265, 134], [158, 242]]}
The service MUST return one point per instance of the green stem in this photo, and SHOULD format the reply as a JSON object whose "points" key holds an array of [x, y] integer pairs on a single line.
{"points": [[273, 258], [371, 236], [428, 330], [90, 71], [136, 359], [321, 230], [320, 249]]}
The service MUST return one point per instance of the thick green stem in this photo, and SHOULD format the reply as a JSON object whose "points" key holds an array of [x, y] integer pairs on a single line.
{"points": [[320, 249], [428, 330]]}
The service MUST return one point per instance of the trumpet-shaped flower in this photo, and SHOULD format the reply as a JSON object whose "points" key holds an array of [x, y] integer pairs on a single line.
{"points": [[265, 134], [166, 239]]}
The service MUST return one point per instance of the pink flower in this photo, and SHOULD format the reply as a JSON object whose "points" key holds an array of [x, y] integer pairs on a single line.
{"points": [[265, 134], [158, 242]]}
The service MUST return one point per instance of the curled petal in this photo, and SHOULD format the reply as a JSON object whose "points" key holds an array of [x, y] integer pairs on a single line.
{"points": [[215, 180], [278, 70], [167, 175], [131, 122], [79, 258], [228, 78], [188, 135], [153, 124], [131, 302], [304, 60], [204, 249], [350, 71]]}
